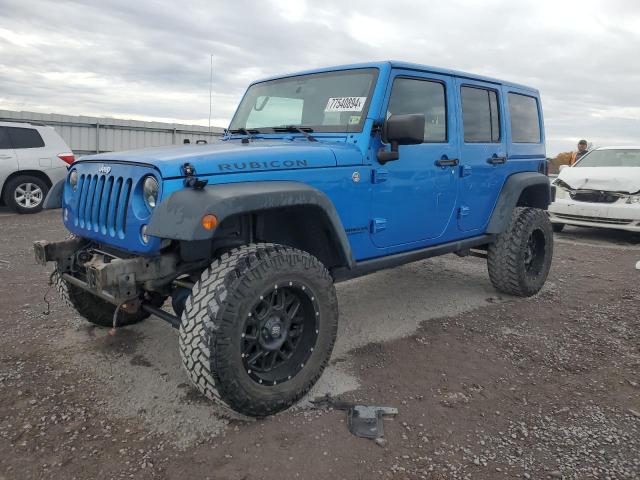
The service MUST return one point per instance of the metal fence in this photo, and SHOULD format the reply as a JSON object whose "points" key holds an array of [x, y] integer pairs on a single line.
{"points": [[86, 135]]}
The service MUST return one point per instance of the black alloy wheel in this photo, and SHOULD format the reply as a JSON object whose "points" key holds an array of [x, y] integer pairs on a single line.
{"points": [[280, 333], [534, 254]]}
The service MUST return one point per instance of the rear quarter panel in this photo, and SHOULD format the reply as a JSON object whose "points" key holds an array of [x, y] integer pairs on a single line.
{"points": [[523, 157], [54, 145], [33, 158]]}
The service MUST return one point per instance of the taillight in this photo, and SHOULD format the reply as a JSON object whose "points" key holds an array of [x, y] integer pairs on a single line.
{"points": [[67, 157]]}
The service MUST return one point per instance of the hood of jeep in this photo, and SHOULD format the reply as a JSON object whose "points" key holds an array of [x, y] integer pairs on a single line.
{"points": [[236, 157]]}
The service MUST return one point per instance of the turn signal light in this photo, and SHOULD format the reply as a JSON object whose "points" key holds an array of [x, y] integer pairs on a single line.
{"points": [[209, 222]]}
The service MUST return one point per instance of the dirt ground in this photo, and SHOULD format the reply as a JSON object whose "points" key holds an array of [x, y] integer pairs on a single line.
{"points": [[487, 386]]}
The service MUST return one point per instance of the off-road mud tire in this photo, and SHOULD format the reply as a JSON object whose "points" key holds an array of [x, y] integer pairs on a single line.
{"points": [[507, 256], [211, 325], [94, 309]]}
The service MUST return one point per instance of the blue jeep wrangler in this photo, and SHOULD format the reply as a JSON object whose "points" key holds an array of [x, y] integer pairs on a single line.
{"points": [[322, 176]]}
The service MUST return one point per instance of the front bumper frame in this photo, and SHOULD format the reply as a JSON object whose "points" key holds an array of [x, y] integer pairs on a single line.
{"points": [[114, 279]]}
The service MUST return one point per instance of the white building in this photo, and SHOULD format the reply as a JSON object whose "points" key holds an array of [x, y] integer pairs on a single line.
{"points": [[87, 135]]}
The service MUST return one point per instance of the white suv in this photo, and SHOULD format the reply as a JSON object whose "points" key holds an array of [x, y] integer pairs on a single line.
{"points": [[32, 159]]}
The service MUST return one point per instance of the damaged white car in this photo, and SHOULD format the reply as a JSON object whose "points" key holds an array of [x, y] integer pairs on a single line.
{"points": [[601, 190]]}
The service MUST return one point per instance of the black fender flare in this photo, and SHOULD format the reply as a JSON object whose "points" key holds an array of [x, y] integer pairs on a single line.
{"points": [[510, 194], [179, 216], [54, 197]]}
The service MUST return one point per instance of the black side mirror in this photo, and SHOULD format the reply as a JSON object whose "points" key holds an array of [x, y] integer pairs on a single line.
{"points": [[401, 130]]}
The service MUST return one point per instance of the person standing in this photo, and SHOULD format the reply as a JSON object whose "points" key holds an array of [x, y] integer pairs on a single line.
{"points": [[582, 149]]}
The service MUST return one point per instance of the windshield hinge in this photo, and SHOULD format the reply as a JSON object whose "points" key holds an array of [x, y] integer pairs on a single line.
{"points": [[376, 128]]}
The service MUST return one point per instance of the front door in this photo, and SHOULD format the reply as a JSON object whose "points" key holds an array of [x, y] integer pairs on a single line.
{"points": [[483, 152], [414, 197]]}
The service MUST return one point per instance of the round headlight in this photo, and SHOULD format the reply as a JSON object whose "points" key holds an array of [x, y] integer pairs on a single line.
{"points": [[73, 180], [150, 190]]}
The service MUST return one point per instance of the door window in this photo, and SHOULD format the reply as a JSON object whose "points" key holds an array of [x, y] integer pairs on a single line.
{"points": [[25, 137], [525, 119], [5, 143], [480, 115], [421, 96]]}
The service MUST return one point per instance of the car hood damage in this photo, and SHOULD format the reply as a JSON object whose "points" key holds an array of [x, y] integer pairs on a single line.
{"points": [[614, 179]]}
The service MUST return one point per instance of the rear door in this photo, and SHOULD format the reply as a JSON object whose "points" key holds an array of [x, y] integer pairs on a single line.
{"points": [[8, 159], [483, 152], [414, 197], [30, 149]]}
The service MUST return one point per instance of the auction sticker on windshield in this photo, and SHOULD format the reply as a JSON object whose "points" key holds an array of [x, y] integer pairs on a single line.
{"points": [[345, 104]]}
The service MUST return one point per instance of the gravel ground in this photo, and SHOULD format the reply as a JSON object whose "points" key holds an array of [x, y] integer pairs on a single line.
{"points": [[488, 386]]}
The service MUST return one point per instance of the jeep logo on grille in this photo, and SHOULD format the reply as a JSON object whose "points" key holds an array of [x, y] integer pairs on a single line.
{"points": [[104, 169]]}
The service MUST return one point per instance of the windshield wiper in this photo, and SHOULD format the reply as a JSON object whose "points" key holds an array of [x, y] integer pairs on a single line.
{"points": [[243, 131], [298, 129]]}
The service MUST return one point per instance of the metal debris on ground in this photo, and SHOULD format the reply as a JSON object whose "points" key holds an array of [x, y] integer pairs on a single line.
{"points": [[363, 421]]}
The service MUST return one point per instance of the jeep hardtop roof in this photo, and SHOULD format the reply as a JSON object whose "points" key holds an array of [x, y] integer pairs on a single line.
{"points": [[388, 64]]}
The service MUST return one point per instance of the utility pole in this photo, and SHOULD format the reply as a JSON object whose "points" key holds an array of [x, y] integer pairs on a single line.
{"points": [[210, 92]]}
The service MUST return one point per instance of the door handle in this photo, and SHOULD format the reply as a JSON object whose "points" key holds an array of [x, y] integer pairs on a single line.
{"points": [[6, 156], [495, 160], [447, 162]]}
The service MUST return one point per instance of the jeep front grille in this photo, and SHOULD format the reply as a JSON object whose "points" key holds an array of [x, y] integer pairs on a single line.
{"points": [[103, 202]]}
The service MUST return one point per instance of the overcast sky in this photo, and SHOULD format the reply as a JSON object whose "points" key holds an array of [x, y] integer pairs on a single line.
{"points": [[149, 60]]}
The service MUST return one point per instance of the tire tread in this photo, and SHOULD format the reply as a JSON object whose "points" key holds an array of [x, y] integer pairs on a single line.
{"points": [[214, 293], [504, 257], [92, 308]]}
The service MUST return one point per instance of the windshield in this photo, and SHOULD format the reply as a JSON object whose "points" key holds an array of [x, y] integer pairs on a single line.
{"points": [[321, 102], [611, 158]]}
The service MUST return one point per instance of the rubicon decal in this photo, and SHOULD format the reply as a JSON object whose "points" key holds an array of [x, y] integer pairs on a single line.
{"points": [[272, 164]]}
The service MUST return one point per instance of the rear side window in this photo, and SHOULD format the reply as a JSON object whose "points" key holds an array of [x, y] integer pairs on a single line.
{"points": [[5, 143], [480, 115], [421, 96], [25, 137], [525, 119]]}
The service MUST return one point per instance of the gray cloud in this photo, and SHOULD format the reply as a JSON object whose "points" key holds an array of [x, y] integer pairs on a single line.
{"points": [[150, 59]]}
